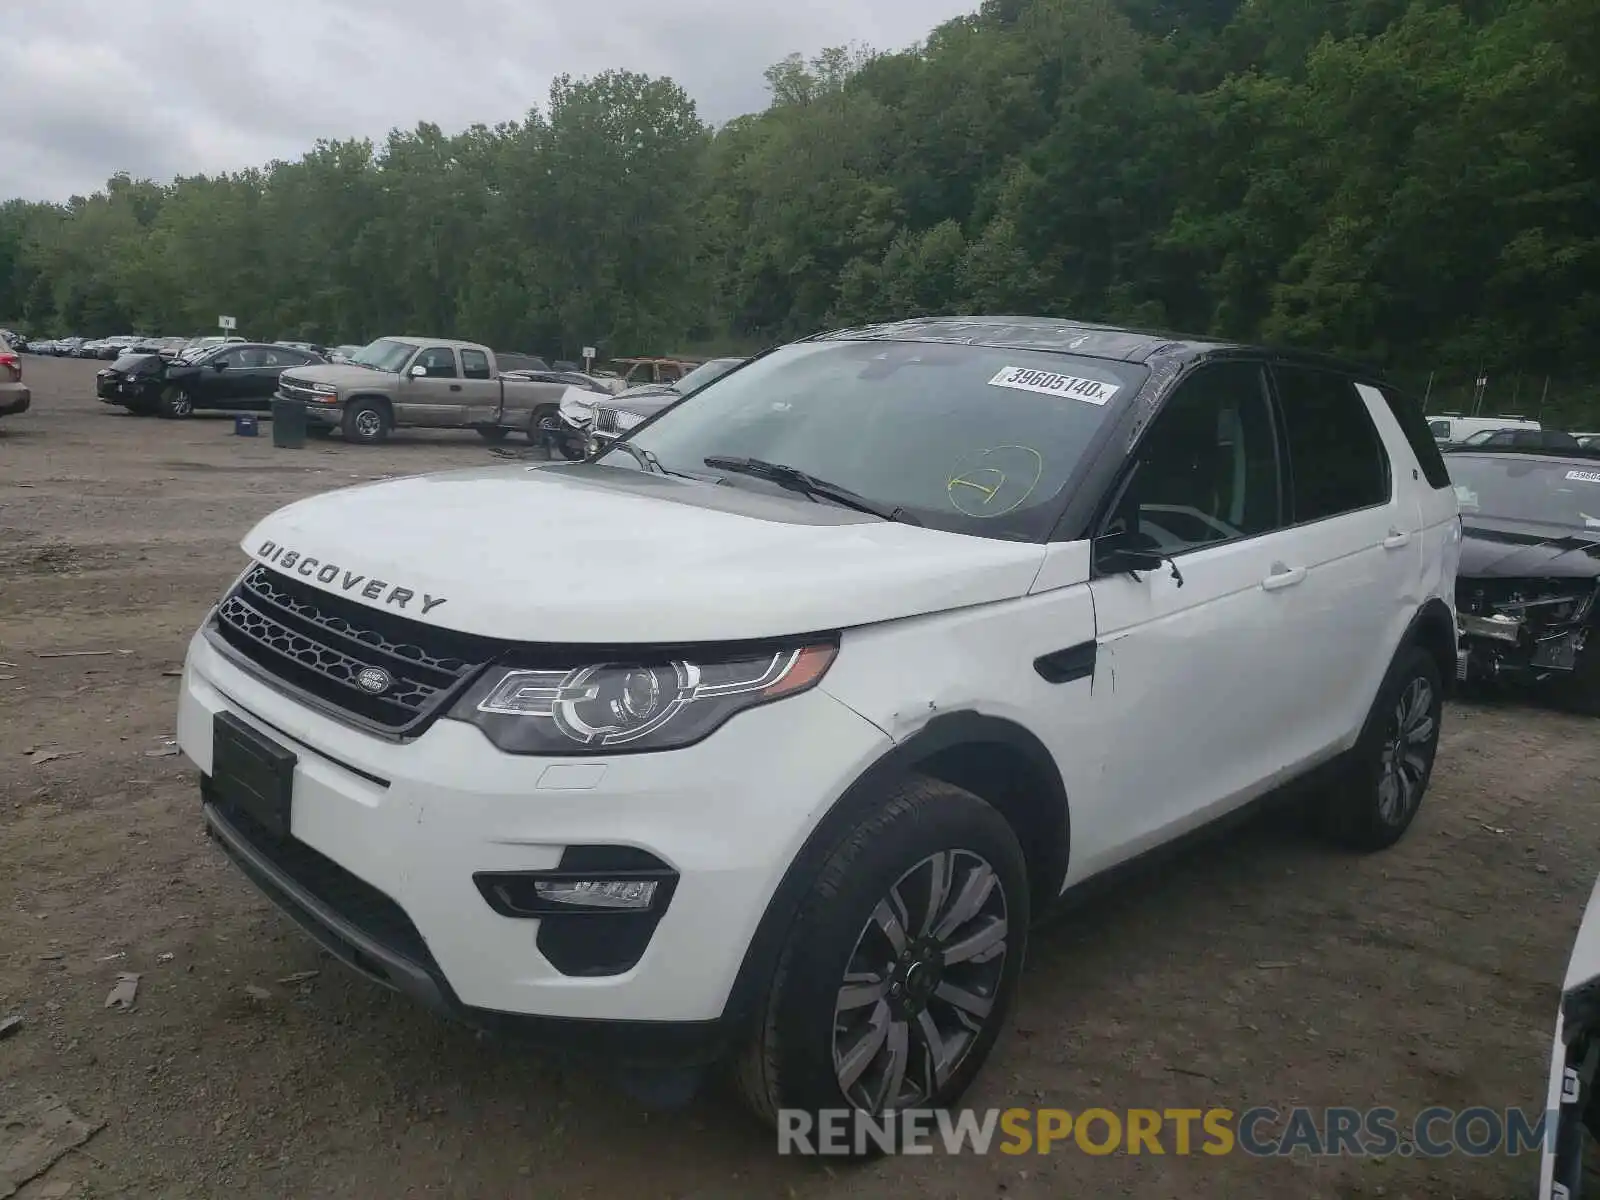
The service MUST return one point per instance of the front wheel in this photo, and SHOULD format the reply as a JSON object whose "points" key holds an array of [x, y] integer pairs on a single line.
{"points": [[174, 403], [1375, 798], [366, 421], [898, 973]]}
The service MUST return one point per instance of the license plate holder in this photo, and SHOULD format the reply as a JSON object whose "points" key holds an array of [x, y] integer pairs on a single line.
{"points": [[252, 773]]}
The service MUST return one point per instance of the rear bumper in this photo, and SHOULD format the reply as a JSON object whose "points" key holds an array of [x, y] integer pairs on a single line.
{"points": [[14, 398]]}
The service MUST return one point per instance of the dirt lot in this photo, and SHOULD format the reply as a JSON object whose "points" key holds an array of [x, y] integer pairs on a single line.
{"points": [[1261, 970]]}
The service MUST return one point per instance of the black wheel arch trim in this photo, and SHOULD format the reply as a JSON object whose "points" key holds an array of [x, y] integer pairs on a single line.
{"points": [[1432, 621], [947, 731]]}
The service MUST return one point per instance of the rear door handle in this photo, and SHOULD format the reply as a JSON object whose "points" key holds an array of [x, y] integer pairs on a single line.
{"points": [[455, 387], [1283, 577], [1396, 539]]}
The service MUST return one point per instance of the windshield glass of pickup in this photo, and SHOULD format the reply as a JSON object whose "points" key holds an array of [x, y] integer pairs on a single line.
{"points": [[1527, 489], [385, 354], [964, 438]]}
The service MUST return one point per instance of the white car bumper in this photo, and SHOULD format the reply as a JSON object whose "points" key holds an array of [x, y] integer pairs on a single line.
{"points": [[399, 830]]}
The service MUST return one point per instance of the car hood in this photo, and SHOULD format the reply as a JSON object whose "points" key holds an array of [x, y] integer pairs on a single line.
{"points": [[1493, 548], [646, 405], [344, 376], [581, 553]]}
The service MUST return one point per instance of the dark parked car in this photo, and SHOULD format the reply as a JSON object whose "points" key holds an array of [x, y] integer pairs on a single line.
{"points": [[1552, 441], [232, 375], [1529, 579]]}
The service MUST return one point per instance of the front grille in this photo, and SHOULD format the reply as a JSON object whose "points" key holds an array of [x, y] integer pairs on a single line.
{"points": [[293, 389], [357, 901], [605, 419], [320, 643]]}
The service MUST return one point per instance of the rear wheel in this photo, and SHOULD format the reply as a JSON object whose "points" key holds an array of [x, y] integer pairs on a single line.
{"points": [[900, 968], [366, 421], [174, 403], [1374, 799]]}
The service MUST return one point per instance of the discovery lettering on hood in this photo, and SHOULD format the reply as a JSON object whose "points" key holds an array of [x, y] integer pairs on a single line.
{"points": [[331, 574]]}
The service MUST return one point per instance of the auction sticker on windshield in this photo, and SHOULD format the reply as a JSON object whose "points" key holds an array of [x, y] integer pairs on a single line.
{"points": [[1584, 476], [1029, 379]]}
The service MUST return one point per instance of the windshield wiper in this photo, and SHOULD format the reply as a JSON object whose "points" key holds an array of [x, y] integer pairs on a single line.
{"points": [[796, 480]]}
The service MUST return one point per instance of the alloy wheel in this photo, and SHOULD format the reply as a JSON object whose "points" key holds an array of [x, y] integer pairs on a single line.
{"points": [[369, 424], [1406, 758], [921, 983]]}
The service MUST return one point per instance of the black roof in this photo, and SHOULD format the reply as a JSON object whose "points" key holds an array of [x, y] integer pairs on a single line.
{"points": [[1055, 334]]}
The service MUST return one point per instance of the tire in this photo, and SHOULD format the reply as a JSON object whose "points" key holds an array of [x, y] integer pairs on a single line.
{"points": [[492, 434], [174, 403], [1380, 788], [367, 422], [811, 1054]]}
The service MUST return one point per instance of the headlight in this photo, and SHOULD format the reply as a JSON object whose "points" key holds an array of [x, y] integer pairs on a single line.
{"points": [[616, 707], [324, 389]]}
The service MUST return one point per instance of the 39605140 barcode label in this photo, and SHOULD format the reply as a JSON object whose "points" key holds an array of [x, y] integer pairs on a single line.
{"points": [[1050, 383]]}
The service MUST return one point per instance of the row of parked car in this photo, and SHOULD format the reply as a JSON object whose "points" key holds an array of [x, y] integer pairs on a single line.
{"points": [[366, 392]]}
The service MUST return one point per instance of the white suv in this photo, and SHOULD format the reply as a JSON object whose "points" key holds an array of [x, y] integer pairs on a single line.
{"points": [[769, 732]]}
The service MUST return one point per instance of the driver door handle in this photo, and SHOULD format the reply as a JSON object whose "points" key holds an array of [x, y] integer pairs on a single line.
{"points": [[455, 387], [1283, 577], [1396, 539]]}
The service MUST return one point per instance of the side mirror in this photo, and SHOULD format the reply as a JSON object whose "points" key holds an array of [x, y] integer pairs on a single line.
{"points": [[418, 371], [218, 365], [1113, 555]]}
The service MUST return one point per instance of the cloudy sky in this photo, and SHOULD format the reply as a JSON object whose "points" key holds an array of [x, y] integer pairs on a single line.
{"points": [[160, 88]]}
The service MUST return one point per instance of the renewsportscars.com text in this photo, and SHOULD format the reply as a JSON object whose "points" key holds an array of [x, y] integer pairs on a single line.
{"points": [[1260, 1132]]}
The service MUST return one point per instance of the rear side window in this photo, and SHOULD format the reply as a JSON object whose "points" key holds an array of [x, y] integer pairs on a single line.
{"points": [[1336, 459], [474, 364], [1421, 435]]}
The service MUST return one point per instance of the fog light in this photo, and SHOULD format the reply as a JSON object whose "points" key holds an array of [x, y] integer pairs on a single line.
{"points": [[599, 893]]}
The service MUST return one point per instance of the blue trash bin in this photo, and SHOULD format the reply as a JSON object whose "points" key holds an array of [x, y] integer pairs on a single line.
{"points": [[246, 426]]}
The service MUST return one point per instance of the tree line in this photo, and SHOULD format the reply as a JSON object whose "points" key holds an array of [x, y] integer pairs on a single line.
{"points": [[1412, 182]]}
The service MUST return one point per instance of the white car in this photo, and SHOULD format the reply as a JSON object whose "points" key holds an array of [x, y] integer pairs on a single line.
{"points": [[1568, 1156], [824, 684]]}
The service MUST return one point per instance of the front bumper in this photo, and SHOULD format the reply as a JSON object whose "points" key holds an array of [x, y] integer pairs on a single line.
{"points": [[386, 839], [14, 398], [1490, 650]]}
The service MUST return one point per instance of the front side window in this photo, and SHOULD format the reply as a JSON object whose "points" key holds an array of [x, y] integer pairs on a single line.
{"points": [[1337, 462], [970, 439], [438, 361], [1206, 471], [474, 364]]}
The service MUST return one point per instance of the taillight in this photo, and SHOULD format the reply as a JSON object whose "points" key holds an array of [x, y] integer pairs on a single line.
{"points": [[9, 358]]}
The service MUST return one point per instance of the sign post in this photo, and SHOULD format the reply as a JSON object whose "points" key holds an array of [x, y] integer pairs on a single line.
{"points": [[588, 358]]}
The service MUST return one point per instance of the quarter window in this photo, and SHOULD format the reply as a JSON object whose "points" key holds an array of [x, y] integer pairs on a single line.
{"points": [[1337, 462], [1207, 469], [474, 364]]}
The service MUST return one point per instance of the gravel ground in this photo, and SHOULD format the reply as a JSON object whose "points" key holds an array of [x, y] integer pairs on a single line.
{"points": [[1259, 969]]}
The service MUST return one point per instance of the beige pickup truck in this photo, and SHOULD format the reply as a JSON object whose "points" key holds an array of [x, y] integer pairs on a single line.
{"points": [[432, 383]]}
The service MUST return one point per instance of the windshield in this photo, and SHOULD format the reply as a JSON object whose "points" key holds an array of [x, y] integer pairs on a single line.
{"points": [[704, 374], [964, 438], [385, 354], [1528, 489]]}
